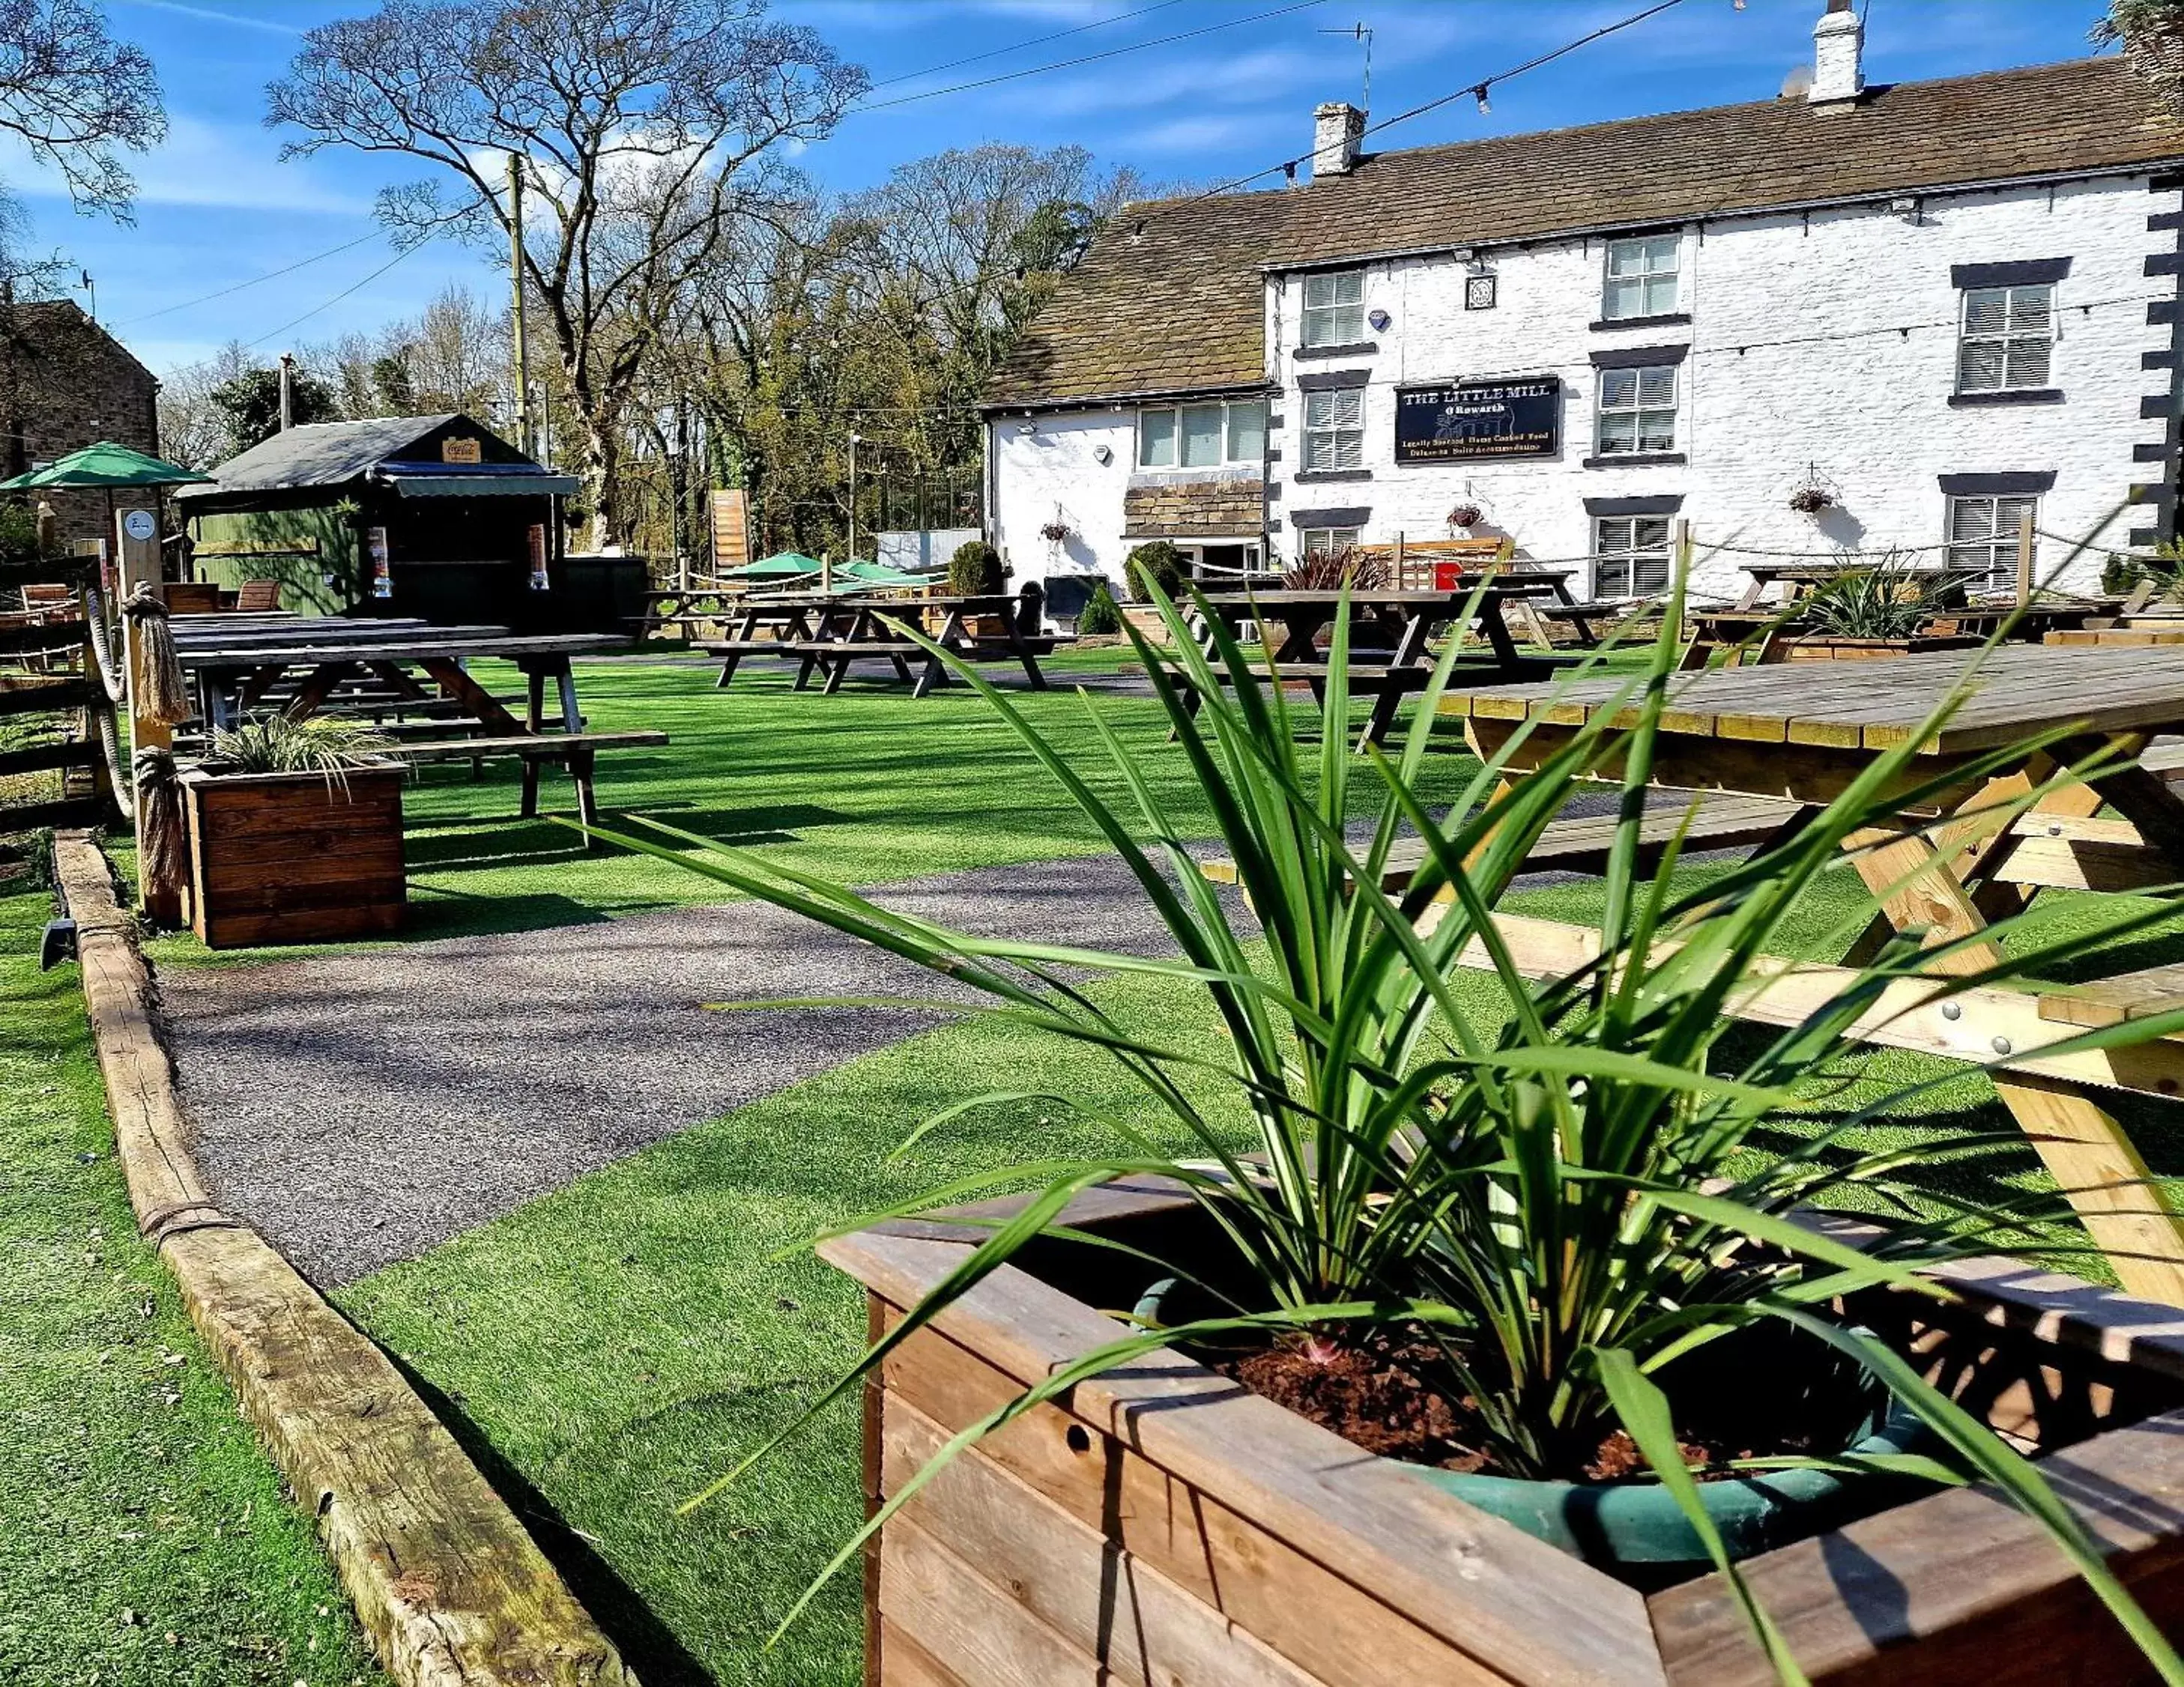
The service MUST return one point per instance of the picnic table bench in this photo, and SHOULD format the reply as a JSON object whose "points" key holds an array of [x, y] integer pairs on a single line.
{"points": [[849, 631], [1390, 632], [240, 662], [1944, 870]]}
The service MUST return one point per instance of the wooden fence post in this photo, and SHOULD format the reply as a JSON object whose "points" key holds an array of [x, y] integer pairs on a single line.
{"points": [[2023, 559]]}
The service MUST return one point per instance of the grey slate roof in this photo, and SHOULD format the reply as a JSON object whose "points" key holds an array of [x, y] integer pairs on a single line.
{"points": [[1170, 300], [320, 454]]}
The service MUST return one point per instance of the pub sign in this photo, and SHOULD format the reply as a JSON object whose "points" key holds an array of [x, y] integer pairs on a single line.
{"points": [[1474, 419]]}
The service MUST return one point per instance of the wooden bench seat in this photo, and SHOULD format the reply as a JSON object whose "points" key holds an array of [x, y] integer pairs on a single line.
{"points": [[2111, 1001], [1581, 845], [575, 750]]}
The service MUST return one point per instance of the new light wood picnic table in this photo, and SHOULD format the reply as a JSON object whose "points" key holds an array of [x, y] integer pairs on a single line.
{"points": [[1390, 632], [237, 662], [850, 630], [1953, 865]]}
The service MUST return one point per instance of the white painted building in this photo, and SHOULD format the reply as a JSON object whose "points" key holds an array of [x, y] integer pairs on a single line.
{"points": [[1929, 307]]}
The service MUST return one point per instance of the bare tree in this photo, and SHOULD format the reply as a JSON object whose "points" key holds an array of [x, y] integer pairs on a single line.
{"points": [[194, 429], [649, 129], [73, 94]]}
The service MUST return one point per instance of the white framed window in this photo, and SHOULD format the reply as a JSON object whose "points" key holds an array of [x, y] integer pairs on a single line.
{"points": [[1637, 410], [1630, 555], [1209, 436], [1328, 541], [1335, 429], [2006, 342], [1642, 277], [1335, 307], [1982, 535]]}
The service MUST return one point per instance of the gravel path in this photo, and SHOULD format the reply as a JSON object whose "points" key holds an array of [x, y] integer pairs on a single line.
{"points": [[360, 1108]]}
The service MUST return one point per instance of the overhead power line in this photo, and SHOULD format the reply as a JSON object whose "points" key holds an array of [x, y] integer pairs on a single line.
{"points": [[1018, 46], [270, 274], [1095, 58], [328, 303], [1477, 90]]}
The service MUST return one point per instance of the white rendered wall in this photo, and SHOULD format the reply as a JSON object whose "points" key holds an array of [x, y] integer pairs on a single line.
{"points": [[1055, 468], [1867, 408]]}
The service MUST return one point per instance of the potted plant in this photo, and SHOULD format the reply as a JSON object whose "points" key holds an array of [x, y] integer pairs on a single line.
{"points": [[1811, 500], [1216, 1407], [1152, 571], [1464, 517], [295, 830], [977, 571], [1890, 610]]}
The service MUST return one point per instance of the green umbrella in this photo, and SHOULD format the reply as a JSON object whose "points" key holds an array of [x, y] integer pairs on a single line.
{"points": [[105, 465], [878, 574], [780, 563]]}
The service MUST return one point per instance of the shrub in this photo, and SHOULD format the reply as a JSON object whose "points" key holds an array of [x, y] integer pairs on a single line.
{"points": [[1158, 561], [1331, 570], [1100, 614], [975, 570], [1891, 600], [2120, 575]]}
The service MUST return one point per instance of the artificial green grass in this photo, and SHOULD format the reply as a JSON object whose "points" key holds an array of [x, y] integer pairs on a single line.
{"points": [[144, 1538]]}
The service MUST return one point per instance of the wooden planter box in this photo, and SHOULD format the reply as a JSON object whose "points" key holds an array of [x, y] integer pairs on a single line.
{"points": [[293, 857], [1812, 647], [1166, 1525]]}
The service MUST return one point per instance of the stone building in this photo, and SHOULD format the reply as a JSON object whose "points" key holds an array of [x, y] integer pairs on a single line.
{"points": [[1916, 312], [66, 383]]}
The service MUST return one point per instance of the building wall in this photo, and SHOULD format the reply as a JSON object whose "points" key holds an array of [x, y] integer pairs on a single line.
{"points": [[1818, 346], [1056, 467], [312, 551], [66, 383]]}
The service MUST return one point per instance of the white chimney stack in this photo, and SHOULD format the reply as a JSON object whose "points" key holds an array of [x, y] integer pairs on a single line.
{"points": [[1838, 45], [1336, 129]]}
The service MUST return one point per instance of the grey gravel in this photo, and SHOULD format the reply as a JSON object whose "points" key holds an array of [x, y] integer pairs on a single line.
{"points": [[360, 1109]]}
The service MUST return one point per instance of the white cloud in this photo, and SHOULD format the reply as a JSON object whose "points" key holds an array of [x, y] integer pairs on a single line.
{"points": [[233, 165], [1198, 135], [212, 15]]}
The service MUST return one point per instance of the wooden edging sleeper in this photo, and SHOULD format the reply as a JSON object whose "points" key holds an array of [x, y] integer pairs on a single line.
{"points": [[452, 1590]]}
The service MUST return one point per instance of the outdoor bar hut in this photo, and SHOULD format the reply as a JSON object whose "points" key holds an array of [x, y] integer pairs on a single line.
{"points": [[435, 517]]}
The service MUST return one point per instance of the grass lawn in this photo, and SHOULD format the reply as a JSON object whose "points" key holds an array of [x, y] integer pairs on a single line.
{"points": [[143, 1536]]}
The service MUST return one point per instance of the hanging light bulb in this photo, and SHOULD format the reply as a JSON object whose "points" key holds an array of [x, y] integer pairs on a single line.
{"points": [[1485, 108]]}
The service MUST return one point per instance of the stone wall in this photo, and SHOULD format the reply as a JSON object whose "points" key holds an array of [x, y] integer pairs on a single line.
{"points": [[66, 383]]}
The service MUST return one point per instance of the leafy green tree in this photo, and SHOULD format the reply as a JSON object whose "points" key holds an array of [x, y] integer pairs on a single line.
{"points": [[250, 405]]}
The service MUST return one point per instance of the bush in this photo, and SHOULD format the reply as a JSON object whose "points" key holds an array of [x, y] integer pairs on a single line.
{"points": [[2120, 575], [1100, 612], [975, 570], [1160, 563]]}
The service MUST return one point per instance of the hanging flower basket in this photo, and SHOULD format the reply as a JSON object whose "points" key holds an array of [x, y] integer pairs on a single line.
{"points": [[1465, 515], [1811, 500], [1056, 532]]}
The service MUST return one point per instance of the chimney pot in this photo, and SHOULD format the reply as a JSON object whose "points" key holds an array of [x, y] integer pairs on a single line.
{"points": [[1336, 129], [1838, 51]]}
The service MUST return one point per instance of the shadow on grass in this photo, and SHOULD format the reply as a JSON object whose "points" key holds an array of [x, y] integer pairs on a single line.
{"points": [[647, 1645], [451, 914]]}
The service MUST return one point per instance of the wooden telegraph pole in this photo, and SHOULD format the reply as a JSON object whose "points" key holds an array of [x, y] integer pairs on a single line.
{"points": [[522, 347]]}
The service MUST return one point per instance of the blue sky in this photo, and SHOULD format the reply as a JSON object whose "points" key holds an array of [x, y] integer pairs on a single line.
{"points": [[218, 207]]}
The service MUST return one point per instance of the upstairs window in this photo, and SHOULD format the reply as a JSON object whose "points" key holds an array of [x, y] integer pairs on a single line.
{"points": [[1983, 537], [1630, 555], [1335, 429], [1641, 278], [2008, 338], [1637, 410], [1203, 436], [1335, 307]]}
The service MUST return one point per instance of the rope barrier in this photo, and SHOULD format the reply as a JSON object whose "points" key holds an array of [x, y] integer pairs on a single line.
{"points": [[117, 776], [101, 643]]}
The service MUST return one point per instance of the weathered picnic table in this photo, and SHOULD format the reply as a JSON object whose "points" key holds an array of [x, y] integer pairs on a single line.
{"points": [[1947, 869], [768, 624], [238, 662], [1390, 632], [847, 630]]}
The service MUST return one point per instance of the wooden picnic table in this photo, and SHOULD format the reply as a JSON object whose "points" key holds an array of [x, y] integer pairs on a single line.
{"points": [[1787, 733], [847, 630], [238, 662], [1390, 635], [1742, 627]]}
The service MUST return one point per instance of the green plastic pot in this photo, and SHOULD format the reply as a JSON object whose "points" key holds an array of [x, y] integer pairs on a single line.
{"points": [[1638, 1525]]}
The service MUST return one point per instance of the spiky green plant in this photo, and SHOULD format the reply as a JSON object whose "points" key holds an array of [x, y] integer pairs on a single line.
{"points": [[273, 744], [1568, 1196], [1889, 600]]}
